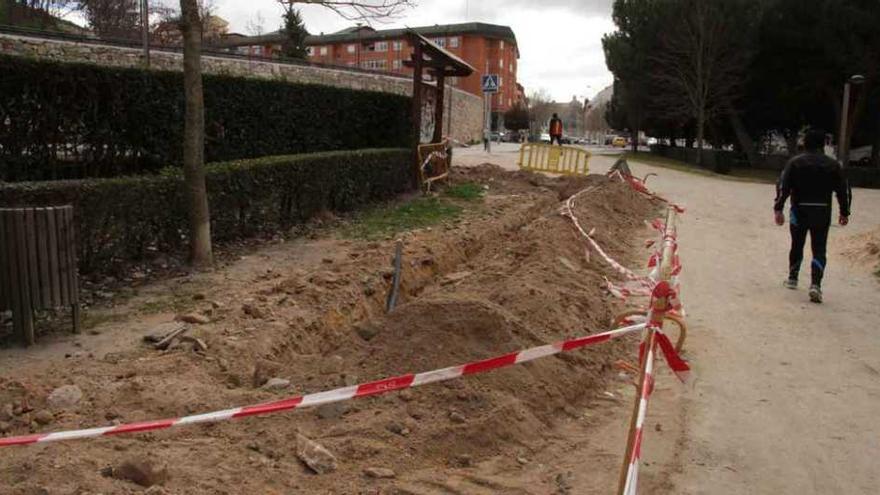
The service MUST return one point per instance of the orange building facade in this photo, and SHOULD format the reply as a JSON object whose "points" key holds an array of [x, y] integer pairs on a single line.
{"points": [[489, 48]]}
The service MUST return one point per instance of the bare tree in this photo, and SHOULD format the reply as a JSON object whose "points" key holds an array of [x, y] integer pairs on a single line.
{"points": [[191, 19], [256, 25], [540, 110], [698, 70], [361, 10]]}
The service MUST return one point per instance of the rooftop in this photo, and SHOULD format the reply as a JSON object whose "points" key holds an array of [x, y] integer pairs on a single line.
{"points": [[363, 34]]}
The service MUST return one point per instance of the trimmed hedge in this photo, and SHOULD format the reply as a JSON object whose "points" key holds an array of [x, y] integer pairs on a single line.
{"points": [[72, 121], [120, 219]]}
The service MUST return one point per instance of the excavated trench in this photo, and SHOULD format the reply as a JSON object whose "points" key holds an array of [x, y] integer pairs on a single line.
{"points": [[510, 276]]}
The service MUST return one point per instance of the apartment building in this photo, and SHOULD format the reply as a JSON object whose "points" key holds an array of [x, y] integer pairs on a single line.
{"points": [[489, 48]]}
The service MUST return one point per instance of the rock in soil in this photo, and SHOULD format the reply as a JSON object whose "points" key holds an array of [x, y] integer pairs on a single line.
{"points": [[193, 318], [277, 384], [263, 371], [6, 412], [44, 417], [332, 365], [380, 473], [333, 411], [141, 472], [315, 456], [5, 427], [64, 397], [367, 330], [457, 417], [253, 311]]}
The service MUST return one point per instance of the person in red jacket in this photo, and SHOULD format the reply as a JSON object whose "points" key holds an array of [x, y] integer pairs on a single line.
{"points": [[556, 130]]}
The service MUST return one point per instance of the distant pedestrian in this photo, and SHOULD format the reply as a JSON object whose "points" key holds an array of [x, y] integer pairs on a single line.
{"points": [[556, 130], [810, 179]]}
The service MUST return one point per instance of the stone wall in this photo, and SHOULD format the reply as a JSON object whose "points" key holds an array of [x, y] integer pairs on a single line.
{"points": [[467, 109]]}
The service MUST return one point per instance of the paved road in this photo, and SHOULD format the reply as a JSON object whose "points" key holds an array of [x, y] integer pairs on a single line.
{"points": [[787, 393]]}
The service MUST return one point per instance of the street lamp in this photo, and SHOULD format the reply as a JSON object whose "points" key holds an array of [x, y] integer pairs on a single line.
{"points": [[843, 139], [145, 31]]}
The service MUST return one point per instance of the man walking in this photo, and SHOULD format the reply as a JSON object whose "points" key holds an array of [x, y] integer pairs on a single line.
{"points": [[556, 130], [810, 179]]}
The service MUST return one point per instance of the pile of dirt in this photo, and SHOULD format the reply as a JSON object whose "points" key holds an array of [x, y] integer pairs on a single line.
{"points": [[509, 276], [863, 250]]}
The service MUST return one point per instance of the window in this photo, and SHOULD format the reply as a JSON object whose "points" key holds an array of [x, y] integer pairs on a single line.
{"points": [[397, 46], [500, 64], [395, 64], [501, 44], [381, 46], [441, 42], [500, 81], [351, 48], [374, 65], [310, 51], [453, 42], [323, 50]]}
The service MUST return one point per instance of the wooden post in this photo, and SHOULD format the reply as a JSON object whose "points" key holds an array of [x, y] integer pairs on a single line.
{"points": [[438, 107], [656, 316], [416, 106], [417, 92]]}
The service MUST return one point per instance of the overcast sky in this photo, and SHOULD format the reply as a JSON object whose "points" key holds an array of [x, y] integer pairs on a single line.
{"points": [[560, 41]]}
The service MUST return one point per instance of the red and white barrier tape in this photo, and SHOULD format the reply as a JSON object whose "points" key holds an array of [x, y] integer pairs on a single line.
{"points": [[568, 211], [338, 395], [639, 186], [632, 475]]}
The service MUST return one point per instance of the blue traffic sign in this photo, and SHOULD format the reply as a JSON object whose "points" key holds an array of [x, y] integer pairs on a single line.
{"points": [[490, 83]]}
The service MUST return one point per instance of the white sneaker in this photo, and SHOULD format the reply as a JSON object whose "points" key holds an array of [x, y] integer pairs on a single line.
{"points": [[816, 294]]}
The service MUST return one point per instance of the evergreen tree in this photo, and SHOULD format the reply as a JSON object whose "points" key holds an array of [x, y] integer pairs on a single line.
{"points": [[295, 34]]}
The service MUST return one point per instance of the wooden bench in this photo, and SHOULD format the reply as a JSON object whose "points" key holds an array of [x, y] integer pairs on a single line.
{"points": [[37, 265], [435, 160]]}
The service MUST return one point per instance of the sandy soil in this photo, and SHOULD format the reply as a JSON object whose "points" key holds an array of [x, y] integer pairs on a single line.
{"points": [[784, 399], [510, 274], [786, 392]]}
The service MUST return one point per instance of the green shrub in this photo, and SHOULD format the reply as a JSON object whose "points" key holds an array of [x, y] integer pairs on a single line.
{"points": [[70, 121], [122, 218]]}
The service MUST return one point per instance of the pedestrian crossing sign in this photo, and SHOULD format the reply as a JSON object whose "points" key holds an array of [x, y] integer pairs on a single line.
{"points": [[490, 83]]}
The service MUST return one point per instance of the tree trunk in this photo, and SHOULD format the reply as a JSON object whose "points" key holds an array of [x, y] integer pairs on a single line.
{"points": [[791, 142], [701, 134], [201, 255], [745, 141], [875, 149]]}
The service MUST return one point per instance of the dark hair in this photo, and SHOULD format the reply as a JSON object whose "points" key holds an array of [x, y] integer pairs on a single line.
{"points": [[555, 116], [814, 140]]}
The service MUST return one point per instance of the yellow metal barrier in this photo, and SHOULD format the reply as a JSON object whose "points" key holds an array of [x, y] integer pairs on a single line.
{"points": [[565, 160]]}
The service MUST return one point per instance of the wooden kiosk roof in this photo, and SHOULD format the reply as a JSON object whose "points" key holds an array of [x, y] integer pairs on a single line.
{"points": [[436, 59]]}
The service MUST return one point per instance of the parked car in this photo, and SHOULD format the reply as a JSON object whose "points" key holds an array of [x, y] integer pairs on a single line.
{"points": [[619, 142], [545, 138], [860, 156]]}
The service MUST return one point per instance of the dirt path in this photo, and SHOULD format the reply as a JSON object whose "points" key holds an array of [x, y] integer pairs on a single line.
{"points": [[786, 392]]}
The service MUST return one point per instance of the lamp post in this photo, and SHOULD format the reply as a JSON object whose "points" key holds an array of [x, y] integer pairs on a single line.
{"points": [[844, 138], [145, 28]]}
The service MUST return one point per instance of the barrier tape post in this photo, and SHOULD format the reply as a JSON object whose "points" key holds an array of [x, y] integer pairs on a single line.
{"points": [[660, 304]]}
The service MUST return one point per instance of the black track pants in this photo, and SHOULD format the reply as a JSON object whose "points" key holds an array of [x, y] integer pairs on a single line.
{"points": [[815, 220]]}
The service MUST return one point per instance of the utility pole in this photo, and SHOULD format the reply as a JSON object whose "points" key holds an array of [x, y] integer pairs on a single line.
{"points": [[145, 30]]}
